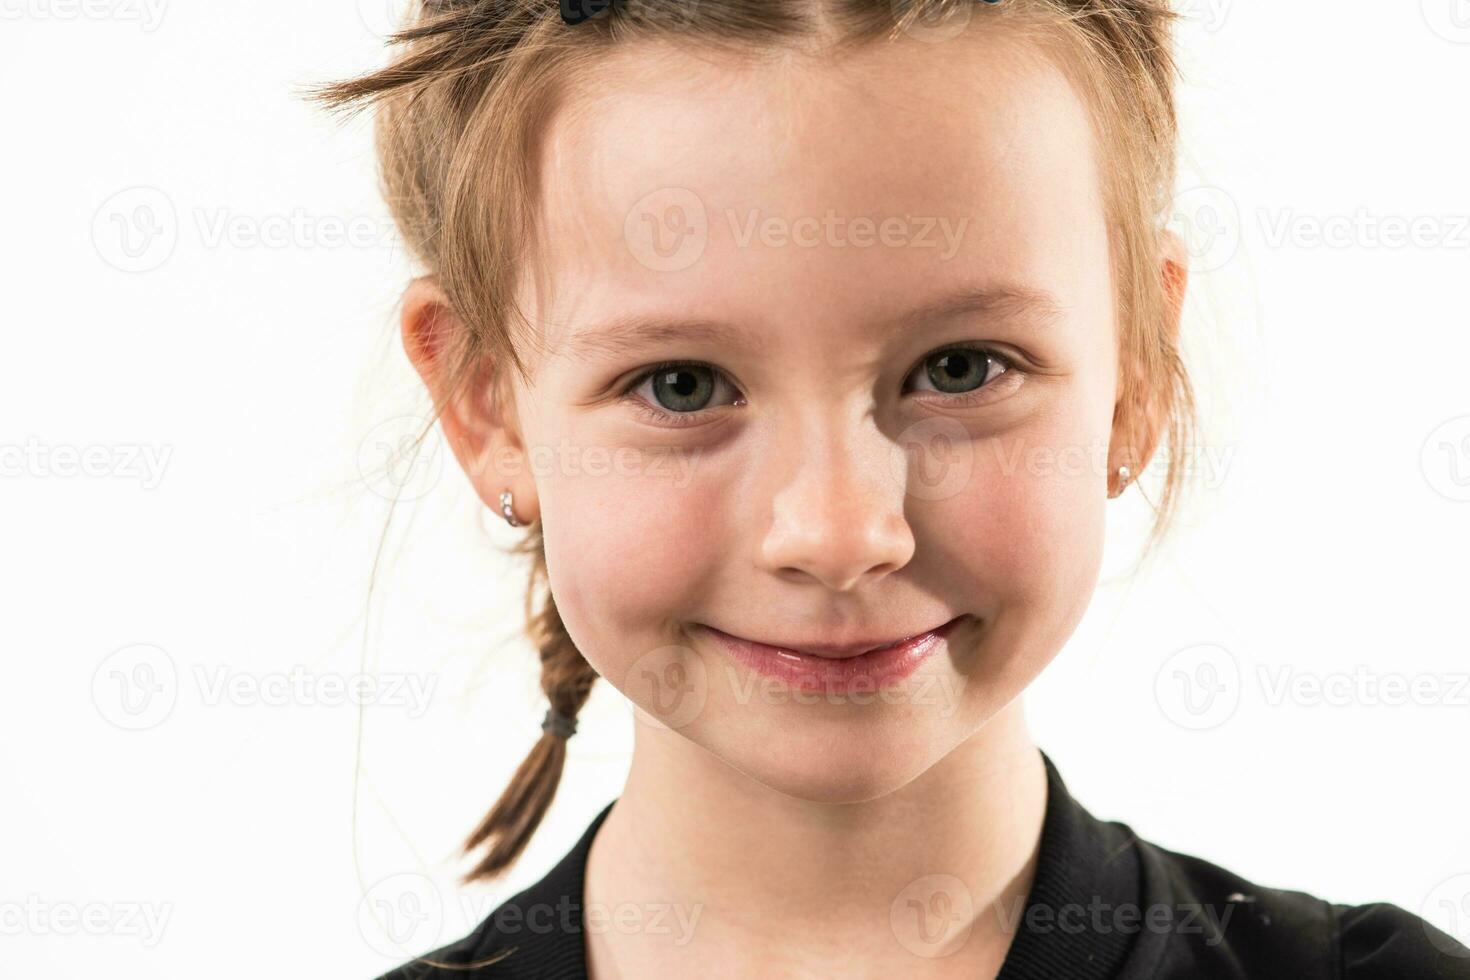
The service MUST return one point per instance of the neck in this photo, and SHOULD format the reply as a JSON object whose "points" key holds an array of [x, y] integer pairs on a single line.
{"points": [[907, 878]]}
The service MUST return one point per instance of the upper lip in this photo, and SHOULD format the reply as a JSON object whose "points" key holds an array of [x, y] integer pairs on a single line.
{"points": [[840, 651]]}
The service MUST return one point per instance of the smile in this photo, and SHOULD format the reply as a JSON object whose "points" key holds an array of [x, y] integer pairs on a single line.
{"points": [[828, 667]]}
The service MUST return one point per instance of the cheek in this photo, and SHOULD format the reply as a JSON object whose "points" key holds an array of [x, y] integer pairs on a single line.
{"points": [[629, 547], [1026, 531]]}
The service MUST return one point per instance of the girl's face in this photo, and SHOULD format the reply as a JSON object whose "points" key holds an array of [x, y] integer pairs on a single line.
{"points": [[812, 240]]}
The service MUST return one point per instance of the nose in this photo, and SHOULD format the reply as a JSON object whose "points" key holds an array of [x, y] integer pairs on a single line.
{"points": [[837, 514]]}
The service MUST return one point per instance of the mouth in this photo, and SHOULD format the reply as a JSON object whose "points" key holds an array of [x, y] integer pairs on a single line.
{"points": [[836, 667]]}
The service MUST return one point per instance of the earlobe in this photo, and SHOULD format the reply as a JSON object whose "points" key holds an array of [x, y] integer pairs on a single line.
{"points": [[478, 425]]}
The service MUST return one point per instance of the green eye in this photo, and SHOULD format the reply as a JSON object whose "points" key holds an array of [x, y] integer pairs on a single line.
{"points": [[683, 387], [960, 370]]}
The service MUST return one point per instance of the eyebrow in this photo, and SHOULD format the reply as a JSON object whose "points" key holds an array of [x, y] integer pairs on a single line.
{"points": [[628, 334]]}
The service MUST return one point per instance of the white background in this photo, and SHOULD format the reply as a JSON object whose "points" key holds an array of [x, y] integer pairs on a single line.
{"points": [[233, 385]]}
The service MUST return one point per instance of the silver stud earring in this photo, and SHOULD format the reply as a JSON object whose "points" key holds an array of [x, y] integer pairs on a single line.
{"points": [[1123, 476], [505, 509]]}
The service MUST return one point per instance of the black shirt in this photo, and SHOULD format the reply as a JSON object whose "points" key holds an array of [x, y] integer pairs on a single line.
{"points": [[1104, 905]]}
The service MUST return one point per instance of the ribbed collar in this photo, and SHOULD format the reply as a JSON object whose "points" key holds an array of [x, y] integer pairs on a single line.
{"points": [[1085, 870]]}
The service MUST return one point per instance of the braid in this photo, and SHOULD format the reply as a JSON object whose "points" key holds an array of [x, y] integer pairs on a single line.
{"points": [[566, 678]]}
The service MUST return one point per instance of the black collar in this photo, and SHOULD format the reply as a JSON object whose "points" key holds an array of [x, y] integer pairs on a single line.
{"points": [[1085, 868]]}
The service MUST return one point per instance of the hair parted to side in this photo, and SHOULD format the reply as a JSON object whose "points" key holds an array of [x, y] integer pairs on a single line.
{"points": [[459, 112]]}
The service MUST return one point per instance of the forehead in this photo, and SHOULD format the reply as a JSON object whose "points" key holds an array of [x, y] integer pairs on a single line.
{"points": [[814, 190]]}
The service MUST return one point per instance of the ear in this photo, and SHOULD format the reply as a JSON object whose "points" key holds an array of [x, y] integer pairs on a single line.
{"points": [[479, 418], [1139, 420]]}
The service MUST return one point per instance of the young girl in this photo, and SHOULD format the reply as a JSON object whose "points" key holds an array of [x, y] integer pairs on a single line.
{"points": [[808, 340]]}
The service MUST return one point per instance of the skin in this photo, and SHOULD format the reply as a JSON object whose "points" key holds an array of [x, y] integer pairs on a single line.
{"points": [[760, 834]]}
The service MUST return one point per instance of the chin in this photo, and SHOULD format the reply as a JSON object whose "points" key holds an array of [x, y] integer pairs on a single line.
{"points": [[862, 754]]}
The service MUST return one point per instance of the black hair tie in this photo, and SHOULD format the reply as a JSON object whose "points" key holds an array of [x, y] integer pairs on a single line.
{"points": [[558, 724], [576, 11]]}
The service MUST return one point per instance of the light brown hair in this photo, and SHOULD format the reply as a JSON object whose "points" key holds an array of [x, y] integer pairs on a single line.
{"points": [[460, 113]]}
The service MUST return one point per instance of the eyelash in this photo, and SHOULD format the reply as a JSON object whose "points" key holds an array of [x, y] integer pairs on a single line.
{"points": [[663, 417]]}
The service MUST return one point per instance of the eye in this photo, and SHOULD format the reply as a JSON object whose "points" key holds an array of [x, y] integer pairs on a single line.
{"points": [[678, 389], [963, 370]]}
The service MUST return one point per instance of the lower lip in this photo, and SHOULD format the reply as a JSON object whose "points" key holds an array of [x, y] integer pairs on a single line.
{"points": [[865, 672]]}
